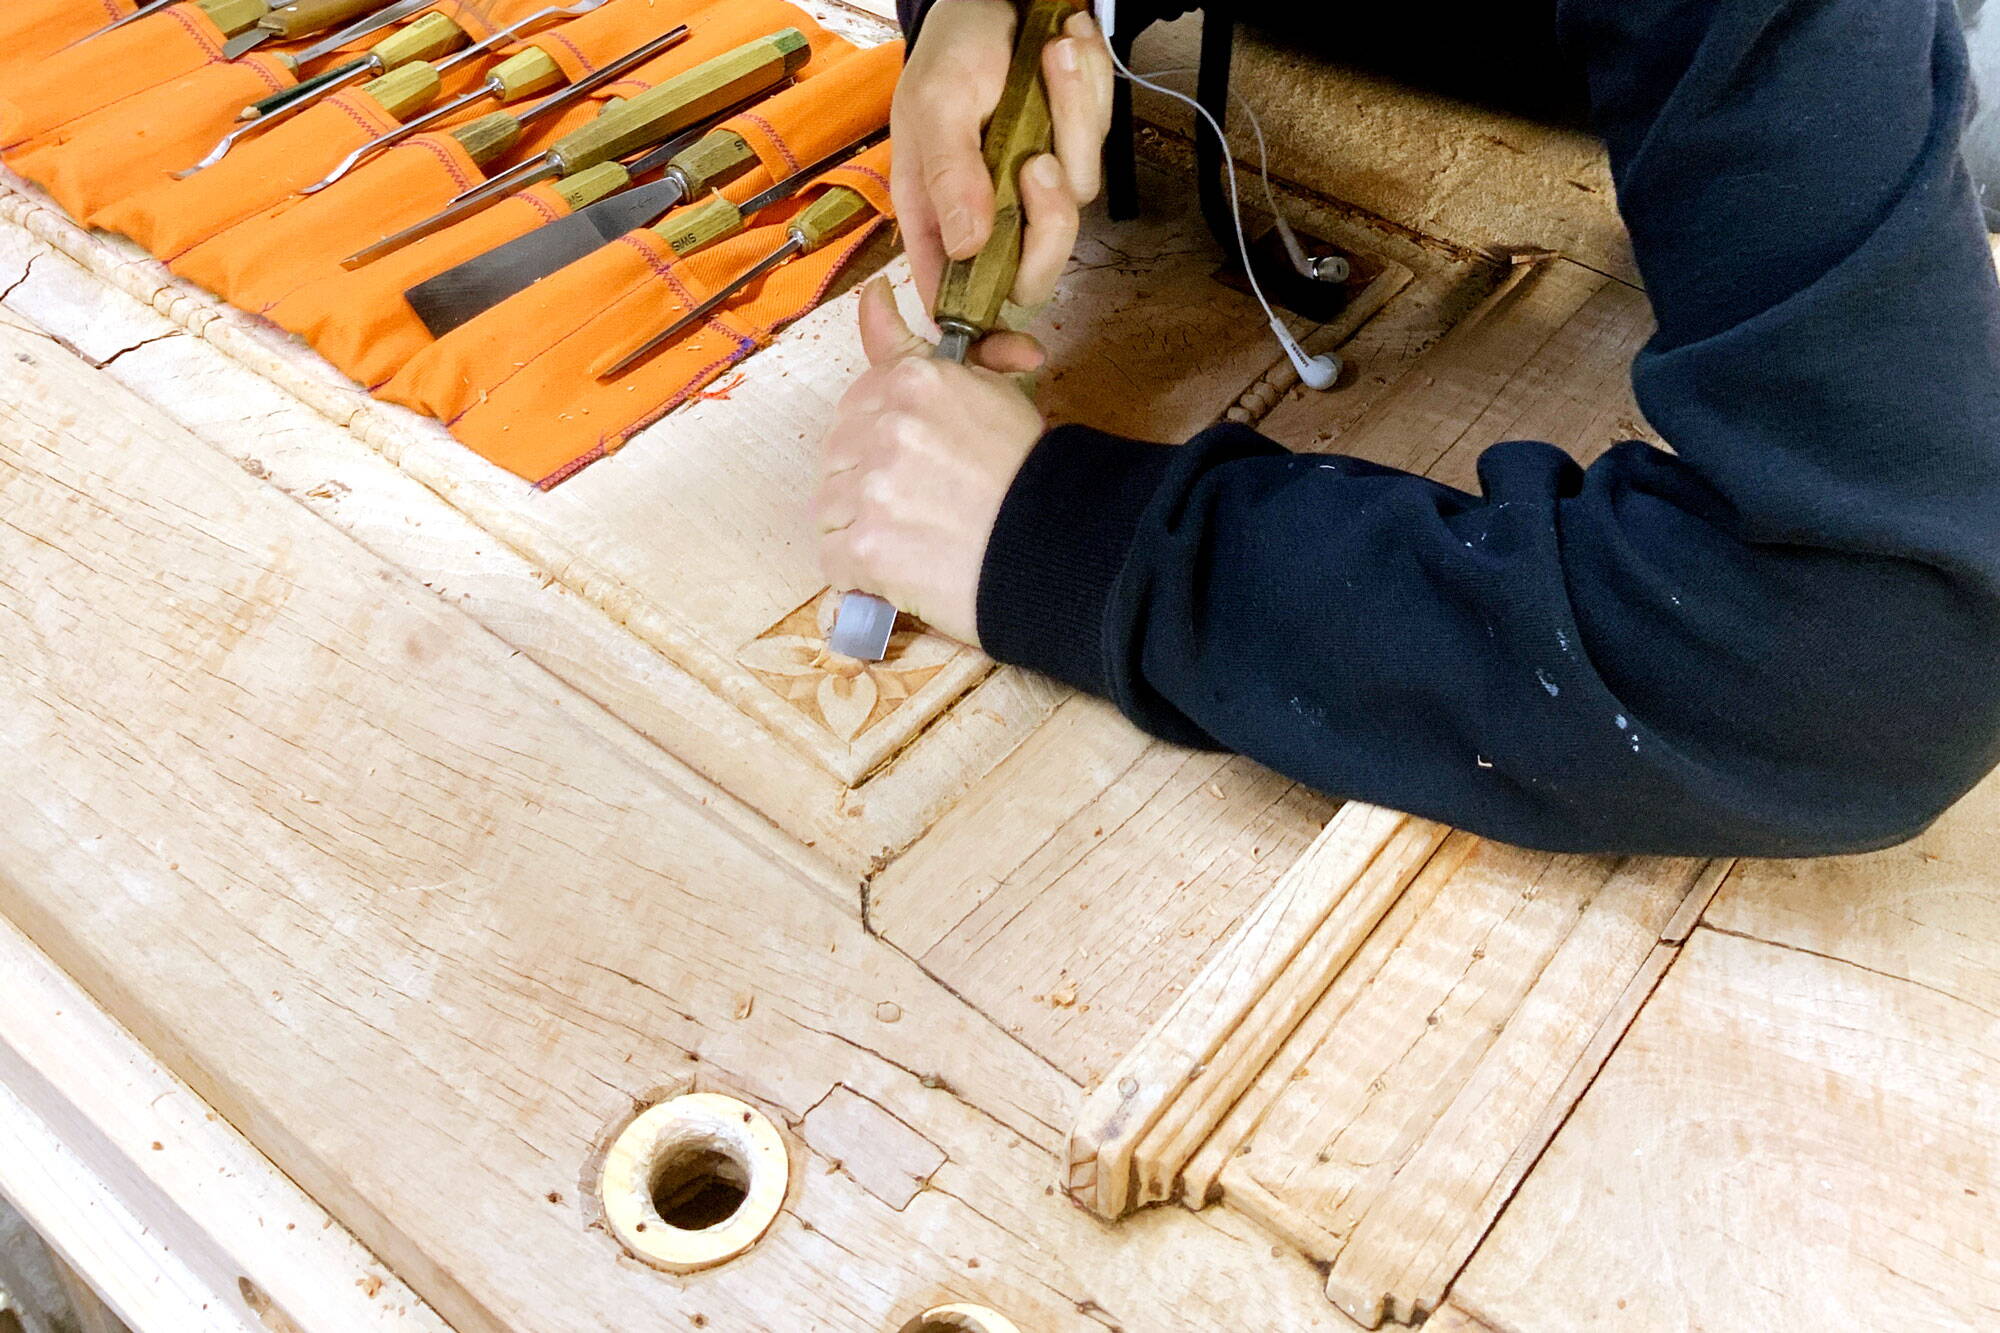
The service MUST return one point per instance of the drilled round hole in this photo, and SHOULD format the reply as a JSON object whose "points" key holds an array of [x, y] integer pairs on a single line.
{"points": [[694, 1181], [699, 1188], [960, 1319]]}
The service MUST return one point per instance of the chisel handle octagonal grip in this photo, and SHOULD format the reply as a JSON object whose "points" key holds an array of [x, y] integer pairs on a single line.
{"points": [[523, 74], [835, 213], [426, 38], [489, 136], [235, 16], [690, 229], [403, 90], [684, 100], [592, 184], [308, 16], [715, 160], [972, 291]]}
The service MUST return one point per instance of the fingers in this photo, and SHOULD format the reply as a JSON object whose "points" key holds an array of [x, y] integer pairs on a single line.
{"points": [[1009, 353], [942, 191], [885, 337], [1077, 69], [1050, 236]]}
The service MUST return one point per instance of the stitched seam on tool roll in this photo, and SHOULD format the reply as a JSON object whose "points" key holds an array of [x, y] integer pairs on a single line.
{"points": [[777, 140], [195, 31]]}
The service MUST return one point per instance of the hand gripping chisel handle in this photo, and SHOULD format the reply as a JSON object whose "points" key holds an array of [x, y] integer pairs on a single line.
{"points": [[973, 291]]}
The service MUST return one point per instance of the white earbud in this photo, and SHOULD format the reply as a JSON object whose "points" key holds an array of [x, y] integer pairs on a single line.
{"points": [[1315, 372]]}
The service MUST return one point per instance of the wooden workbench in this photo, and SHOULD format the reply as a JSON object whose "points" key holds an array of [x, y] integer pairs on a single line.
{"points": [[383, 835]]}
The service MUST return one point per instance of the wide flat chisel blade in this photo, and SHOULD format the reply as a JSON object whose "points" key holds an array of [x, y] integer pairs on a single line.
{"points": [[459, 294]]}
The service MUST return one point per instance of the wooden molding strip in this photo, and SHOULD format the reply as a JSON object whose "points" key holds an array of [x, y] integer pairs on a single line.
{"points": [[1140, 1126], [132, 1179]]}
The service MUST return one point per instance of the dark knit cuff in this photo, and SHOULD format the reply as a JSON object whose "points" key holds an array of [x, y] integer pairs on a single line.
{"points": [[1058, 546]]}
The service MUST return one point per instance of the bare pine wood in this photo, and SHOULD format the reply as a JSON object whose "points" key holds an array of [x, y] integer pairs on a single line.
{"points": [[1781, 1140], [366, 871], [1267, 973], [1400, 1118]]}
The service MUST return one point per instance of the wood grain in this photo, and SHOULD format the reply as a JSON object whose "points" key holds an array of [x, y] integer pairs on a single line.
{"points": [[1782, 1139], [122, 1168], [345, 862]]}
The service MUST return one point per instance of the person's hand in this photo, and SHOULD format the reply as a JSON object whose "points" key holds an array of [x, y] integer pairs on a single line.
{"points": [[919, 457], [939, 182]]}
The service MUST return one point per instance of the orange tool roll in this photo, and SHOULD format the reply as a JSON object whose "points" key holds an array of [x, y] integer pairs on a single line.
{"points": [[171, 217], [31, 30], [259, 262], [517, 383], [360, 322], [69, 85], [103, 157]]}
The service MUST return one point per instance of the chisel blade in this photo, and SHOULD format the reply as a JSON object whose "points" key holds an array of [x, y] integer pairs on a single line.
{"points": [[459, 294], [246, 41]]}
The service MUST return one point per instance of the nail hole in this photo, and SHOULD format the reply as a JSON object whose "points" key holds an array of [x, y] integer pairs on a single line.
{"points": [[694, 1181]]}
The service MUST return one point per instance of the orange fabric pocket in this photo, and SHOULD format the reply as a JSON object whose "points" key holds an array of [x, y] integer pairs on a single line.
{"points": [[518, 383], [173, 216], [360, 322], [33, 29], [259, 262], [847, 99], [139, 142], [69, 85]]}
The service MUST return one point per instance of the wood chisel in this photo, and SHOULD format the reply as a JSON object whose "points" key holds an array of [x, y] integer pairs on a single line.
{"points": [[972, 292], [431, 36], [690, 167], [317, 85], [150, 7], [302, 18], [653, 115], [520, 75], [835, 213]]}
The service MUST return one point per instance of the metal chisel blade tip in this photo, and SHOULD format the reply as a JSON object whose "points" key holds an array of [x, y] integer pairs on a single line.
{"points": [[862, 626]]}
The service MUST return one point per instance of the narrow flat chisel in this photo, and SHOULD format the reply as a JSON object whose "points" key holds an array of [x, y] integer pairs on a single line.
{"points": [[653, 115], [150, 7], [973, 291], [835, 213], [691, 166]]}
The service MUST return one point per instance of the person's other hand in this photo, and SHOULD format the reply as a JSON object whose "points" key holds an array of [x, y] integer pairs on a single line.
{"points": [[919, 457], [942, 192]]}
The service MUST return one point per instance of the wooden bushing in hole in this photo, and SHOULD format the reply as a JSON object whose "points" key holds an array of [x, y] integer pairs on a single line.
{"points": [[960, 1319], [694, 1181]]}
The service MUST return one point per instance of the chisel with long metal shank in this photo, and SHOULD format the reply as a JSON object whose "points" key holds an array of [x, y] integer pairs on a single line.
{"points": [[835, 213], [462, 293], [973, 291], [520, 75], [150, 7], [429, 37], [302, 18], [653, 115]]}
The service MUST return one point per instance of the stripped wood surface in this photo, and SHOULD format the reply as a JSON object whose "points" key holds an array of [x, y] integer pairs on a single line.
{"points": [[387, 899], [1781, 1139], [179, 1220]]}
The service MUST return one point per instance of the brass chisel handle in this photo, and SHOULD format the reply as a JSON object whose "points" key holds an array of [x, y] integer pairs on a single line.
{"points": [[972, 291], [683, 100]]}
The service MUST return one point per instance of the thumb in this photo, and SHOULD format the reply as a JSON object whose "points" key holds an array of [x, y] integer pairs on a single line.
{"points": [[884, 335]]}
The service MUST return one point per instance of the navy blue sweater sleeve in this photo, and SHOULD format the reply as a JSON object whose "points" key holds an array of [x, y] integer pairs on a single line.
{"points": [[1781, 639]]}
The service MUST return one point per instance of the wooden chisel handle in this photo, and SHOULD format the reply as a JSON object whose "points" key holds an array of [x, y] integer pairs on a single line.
{"points": [[235, 16], [683, 100], [972, 291], [302, 17]]}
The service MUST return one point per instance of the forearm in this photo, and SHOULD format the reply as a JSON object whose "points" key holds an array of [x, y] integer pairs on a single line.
{"points": [[1781, 640]]}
